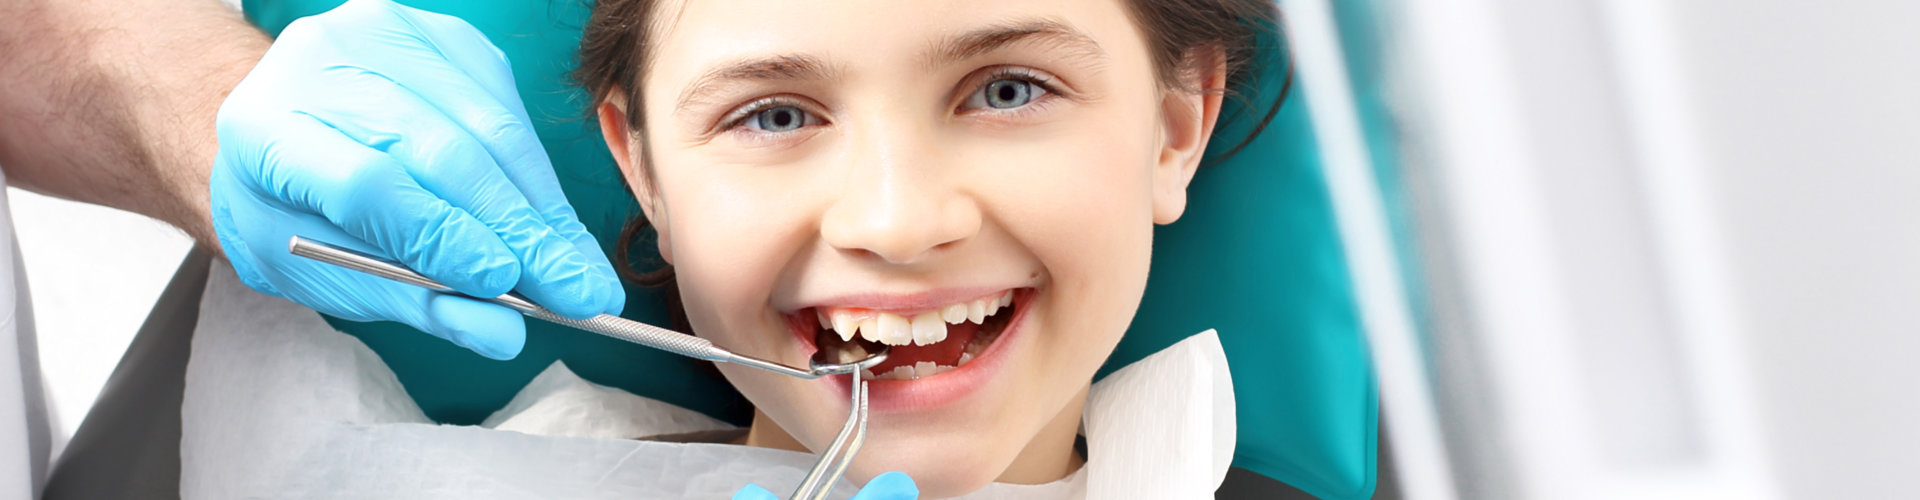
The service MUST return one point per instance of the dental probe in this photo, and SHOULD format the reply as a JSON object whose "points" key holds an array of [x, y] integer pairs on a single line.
{"points": [[838, 455], [604, 324]]}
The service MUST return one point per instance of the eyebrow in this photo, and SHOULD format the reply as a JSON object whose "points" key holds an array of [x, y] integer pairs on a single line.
{"points": [[947, 51], [1036, 31], [778, 67]]}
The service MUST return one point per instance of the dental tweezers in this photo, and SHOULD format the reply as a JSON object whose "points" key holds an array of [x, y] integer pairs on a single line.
{"points": [[834, 460]]}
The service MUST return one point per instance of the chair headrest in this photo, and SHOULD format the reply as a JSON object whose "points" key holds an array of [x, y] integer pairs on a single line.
{"points": [[1257, 256]]}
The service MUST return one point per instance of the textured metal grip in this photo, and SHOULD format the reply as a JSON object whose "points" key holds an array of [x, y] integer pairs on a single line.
{"points": [[605, 324], [639, 333]]}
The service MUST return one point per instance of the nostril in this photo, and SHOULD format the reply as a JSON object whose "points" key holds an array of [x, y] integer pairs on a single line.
{"points": [[864, 254], [902, 221], [891, 243]]}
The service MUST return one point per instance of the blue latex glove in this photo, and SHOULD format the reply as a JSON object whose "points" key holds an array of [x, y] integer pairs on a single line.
{"points": [[398, 132], [888, 486]]}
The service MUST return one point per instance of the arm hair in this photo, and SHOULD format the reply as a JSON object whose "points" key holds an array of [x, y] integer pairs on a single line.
{"points": [[112, 102]]}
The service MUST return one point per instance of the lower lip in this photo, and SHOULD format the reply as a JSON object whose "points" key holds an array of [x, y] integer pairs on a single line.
{"points": [[949, 386]]}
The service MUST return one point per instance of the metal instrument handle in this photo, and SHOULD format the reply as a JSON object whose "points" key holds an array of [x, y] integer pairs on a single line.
{"points": [[604, 324], [833, 461]]}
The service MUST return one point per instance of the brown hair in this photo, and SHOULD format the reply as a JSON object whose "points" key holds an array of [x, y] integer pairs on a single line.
{"points": [[615, 49]]}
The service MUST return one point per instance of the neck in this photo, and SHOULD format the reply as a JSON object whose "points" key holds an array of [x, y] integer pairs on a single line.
{"points": [[766, 434], [1050, 455]]}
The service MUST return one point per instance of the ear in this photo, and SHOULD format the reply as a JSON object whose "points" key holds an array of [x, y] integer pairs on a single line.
{"points": [[1188, 119], [629, 151]]}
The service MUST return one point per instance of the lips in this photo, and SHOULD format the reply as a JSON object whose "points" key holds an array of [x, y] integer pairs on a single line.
{"points": [[934, 341], [933, 374]]}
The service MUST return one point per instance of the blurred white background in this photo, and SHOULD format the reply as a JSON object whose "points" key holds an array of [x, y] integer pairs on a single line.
{"points": [[93, 273], [1673, 248]]}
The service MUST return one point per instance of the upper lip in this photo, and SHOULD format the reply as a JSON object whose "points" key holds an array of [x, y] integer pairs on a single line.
{"points": [[907, 302]]}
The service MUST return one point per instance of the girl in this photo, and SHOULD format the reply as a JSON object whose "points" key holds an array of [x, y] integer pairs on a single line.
{"points": [[973, 184]]}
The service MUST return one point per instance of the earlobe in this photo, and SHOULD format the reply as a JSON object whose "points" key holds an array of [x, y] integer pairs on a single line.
{"points": [[629, 154], [1188, 118]]}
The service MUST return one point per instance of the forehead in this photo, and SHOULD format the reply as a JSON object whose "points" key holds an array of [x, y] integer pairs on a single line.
{"points": [[690, 36]]}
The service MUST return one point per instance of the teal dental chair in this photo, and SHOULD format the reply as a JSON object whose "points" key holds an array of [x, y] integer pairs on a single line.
{"points": [[1256, 257]]}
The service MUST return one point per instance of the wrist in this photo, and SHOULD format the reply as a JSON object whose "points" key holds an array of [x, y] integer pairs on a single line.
{"points": [[178, 134]]}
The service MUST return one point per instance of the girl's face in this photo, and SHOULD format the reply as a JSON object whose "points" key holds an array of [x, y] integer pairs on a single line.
{"points": [[905, 165]]}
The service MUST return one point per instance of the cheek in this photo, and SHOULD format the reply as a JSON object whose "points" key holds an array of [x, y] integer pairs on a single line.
{"points": [[1098, 244], [1082, 204], [1086, 196], [1067, 177], [732, 237]]}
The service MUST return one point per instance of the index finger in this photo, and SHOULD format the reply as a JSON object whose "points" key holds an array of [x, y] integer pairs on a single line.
{"points": [[469, 61]]}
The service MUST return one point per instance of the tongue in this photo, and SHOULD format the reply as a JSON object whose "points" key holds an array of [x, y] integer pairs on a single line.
{"points": [[946, 352]]}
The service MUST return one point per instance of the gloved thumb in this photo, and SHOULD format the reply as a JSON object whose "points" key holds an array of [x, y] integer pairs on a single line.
{"points": [[754, 492], [889, 486]]}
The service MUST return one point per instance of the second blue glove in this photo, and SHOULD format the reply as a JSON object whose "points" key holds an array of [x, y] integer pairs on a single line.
{"points": [[888, 486]]}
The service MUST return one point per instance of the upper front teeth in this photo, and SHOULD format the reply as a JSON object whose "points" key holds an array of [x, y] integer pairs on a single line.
{"points": [[894, 330], [924, 328], [928, 328], [954, 313]]}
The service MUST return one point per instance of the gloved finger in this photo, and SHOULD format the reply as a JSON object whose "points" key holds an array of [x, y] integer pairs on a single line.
{"points": [[501, 124], [468, 51], [445, 159], [489, 329], [754, 492], [889, 486], [467, 81], [485, 328], [371, 196]]}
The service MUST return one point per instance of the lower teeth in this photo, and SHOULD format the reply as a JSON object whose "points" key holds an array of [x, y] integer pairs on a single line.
{"points": [[914, 371], [852, 353], [926, 369]]}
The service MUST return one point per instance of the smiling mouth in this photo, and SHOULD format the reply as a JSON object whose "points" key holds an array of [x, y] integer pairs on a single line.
{"points": [[921, 343]]}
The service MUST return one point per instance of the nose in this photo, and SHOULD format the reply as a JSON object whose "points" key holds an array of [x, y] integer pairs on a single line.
{"points": [[901, 203]]}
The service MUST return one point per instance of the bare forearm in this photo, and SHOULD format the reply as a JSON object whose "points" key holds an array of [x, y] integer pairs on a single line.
{"points": [[113, 102]]}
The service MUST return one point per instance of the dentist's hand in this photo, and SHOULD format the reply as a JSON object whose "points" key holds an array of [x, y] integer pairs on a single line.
{"points": [[398, 132], [888, 486]]}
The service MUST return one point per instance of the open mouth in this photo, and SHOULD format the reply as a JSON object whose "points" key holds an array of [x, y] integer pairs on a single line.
{"points": [[922, 343]]}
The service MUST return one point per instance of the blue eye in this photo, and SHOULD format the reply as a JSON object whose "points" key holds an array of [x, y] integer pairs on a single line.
{"points": [[1006, 93], [779, 119]]}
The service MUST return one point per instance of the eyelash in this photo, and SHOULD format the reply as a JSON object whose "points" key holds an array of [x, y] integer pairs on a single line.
{"points": [[1030, 76], [738, 119]]}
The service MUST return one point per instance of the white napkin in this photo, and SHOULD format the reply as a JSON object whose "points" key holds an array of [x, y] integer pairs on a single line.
{"points": [[279, 405], [1163, 427]]}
